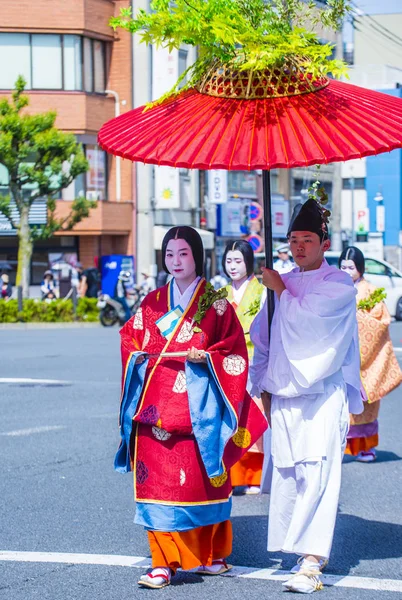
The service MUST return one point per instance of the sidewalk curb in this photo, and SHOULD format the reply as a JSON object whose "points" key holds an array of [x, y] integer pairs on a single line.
{"points": [[49, 325]]}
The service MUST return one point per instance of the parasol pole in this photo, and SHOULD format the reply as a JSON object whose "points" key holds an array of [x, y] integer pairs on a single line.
{"points": [[266, 200]]}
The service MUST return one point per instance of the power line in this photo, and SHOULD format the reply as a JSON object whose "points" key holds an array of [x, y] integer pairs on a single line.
{"points": [[378, 26], [378, 31]]}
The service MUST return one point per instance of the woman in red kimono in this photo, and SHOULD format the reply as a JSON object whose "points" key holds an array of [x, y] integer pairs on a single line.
{"points": [[185, 415]]}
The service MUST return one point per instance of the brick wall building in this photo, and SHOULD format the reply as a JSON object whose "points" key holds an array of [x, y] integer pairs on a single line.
{"points": [[69, 57]]}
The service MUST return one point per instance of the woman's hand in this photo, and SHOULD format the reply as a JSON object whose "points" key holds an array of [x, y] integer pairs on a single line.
{"points": [[196, 356], [273, 281], [140, 359]]}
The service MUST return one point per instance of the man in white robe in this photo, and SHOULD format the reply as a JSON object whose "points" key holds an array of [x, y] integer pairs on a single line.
{"points": [[308, 375]]}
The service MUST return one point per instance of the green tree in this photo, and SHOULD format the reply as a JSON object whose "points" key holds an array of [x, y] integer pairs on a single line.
{"points": [[41, 161]]}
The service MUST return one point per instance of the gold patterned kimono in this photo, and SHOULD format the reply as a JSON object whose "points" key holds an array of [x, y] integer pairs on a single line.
{"points": [[380, 372]]}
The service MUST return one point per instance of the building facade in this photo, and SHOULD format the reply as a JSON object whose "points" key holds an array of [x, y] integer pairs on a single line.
{"points": [[74, 64], [372, 187]]}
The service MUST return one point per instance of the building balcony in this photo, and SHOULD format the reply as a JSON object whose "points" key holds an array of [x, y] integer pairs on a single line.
{"points": [[83, 17], [77, 112], [108, 218]]}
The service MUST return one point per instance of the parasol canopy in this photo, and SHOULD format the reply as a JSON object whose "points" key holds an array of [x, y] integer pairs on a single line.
{"points": [[280, 120], [247, 120]]}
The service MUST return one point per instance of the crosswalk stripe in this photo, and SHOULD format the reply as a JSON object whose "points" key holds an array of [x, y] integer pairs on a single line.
{"points": [[112, 560]]}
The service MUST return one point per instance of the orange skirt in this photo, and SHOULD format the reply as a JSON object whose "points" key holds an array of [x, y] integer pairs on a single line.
{"points": [[190, 549], [248, 470], [362, 444]]}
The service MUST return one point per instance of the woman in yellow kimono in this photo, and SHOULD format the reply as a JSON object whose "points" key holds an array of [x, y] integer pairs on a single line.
{"points": [[244, 294], [380, 372]]}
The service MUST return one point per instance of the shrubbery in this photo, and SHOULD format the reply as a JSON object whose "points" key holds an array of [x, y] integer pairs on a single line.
{"points": [[56, 311]]}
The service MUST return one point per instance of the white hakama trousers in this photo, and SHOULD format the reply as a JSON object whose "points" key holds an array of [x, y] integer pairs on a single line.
{"points": [[303, 507], [305, 492]]}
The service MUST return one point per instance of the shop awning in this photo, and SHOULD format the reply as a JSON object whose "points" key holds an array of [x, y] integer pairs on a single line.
{"points": [[160, 232]]}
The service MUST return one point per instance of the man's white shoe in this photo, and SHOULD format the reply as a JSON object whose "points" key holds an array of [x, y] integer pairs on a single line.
{"points": [[252, 490], [301, 562], [304, 582], [157, 578]]}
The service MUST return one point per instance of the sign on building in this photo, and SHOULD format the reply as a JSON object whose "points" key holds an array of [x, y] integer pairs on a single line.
{"points": [[280, 216], [234, 217], [165, 72], [217, 186], [362, 220]]}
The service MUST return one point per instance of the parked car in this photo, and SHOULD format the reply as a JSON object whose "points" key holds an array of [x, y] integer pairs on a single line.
{"points": [[382, 275], [378, 272]]}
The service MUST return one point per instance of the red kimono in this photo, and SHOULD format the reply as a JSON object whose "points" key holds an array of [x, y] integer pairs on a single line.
{"points": [[183, 425]]}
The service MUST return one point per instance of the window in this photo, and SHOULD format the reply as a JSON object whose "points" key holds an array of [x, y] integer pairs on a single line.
{"points": [[17, 46], [52, 62], [182, 66], [88, 66], [242, 182], [93, 183], [359, 183], [46, 62], [99, 66], [72, 53], [96, 176], [373, 267]]}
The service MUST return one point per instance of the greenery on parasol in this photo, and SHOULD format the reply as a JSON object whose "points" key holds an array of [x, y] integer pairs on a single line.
{"points": [[244, 35]]}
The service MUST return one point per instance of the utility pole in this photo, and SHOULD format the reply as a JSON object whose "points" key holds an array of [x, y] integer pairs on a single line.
{"points": [[145, 193]]}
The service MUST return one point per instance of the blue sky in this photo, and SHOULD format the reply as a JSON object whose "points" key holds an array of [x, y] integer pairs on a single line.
{"points": [[379, 6]]}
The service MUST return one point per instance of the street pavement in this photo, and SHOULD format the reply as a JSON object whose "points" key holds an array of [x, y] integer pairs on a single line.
{"points": [[59, 398]]}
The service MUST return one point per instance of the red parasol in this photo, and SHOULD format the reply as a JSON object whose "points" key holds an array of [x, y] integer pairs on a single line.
{"points": [[196, 131], [272, 119]]}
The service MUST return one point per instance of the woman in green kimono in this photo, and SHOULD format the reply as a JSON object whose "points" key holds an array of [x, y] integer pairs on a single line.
{"points": [[244, 294]]}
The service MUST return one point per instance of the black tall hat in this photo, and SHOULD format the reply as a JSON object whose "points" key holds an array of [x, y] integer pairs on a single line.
{"points": [[309, 217]]}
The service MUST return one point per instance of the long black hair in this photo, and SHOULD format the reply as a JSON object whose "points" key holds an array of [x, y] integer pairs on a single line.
{"points": [[247, 251], [193, 239], [353, 253]]}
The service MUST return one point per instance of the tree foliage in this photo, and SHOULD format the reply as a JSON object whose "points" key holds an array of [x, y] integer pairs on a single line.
{"points": [[244, 34], [41, 161]]}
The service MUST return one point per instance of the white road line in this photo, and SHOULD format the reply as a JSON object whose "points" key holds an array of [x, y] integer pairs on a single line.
{"points": [[31, 430], [33, 381], [397, 349], [111, 560]]}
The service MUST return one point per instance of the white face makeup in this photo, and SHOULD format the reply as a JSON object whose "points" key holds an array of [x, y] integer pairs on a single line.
{"points": [[235, 265], [179, 260], [350, 268]]}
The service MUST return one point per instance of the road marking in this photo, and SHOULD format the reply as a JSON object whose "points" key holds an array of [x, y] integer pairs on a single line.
{"points": [[397, 349], [31, 430], [111, 560], [34, 381]]}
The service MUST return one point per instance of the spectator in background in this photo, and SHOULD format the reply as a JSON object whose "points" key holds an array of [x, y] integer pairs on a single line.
{"points": [[161, 279], [48, 287], [88, 281], [148, 284], [219, 281], [283, 264], [6, 289]]}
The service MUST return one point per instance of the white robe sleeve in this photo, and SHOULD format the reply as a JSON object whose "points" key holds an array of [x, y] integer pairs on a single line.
{"points": [[259, 335], [317, 329]]}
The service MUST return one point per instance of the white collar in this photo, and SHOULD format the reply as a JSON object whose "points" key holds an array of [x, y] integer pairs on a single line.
{"points": [[239, 293], [184, 298]]}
